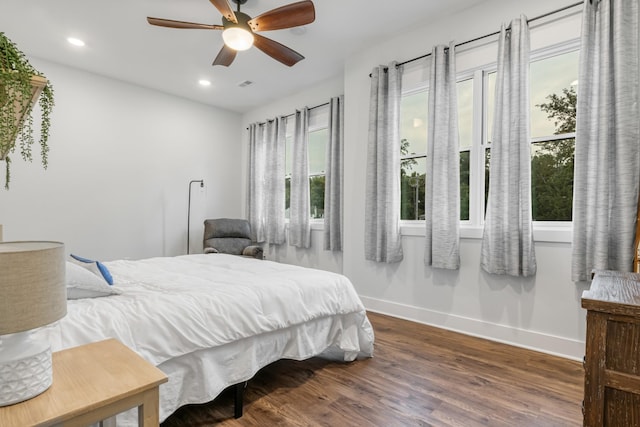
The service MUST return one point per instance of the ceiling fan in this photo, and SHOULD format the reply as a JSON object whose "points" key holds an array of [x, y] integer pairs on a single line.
{"points": [[239, 30]]}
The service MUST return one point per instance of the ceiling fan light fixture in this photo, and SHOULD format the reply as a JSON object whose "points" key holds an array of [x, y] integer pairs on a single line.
{"points": [[240, 31], [237, 38]]}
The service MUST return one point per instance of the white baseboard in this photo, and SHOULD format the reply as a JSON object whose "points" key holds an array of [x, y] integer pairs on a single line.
{"points": [[545, 343]]}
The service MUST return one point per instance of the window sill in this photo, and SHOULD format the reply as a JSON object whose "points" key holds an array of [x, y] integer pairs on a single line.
{"points": [[316, 224], [542, 232], [417, 228], [553, 232]]}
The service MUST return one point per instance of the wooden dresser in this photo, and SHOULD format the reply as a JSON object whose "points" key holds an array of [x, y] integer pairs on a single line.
{"points": [[612, 357]]}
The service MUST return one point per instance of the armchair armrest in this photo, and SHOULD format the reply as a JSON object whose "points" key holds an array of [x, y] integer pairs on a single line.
{"points": [[253, 251]]}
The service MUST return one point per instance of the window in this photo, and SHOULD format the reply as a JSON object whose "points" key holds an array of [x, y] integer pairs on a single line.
{"points": [[318, 137], [465, 129], [317, 153], [413, 149], [413, 154], [553, 125], [553, 88], [553, 82]]}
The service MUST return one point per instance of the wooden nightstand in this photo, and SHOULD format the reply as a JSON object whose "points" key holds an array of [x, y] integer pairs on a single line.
{"points": [[90, 383]]}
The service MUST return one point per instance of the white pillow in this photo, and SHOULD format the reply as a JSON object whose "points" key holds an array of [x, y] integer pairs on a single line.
{"points": [[81, 283], [95, 267]]}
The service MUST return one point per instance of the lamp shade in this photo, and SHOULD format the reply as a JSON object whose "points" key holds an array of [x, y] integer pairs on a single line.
{"points": [[32, 285]]}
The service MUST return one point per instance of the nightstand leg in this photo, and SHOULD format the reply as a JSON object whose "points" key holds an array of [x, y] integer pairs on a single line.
{"points": [[148, 412]]}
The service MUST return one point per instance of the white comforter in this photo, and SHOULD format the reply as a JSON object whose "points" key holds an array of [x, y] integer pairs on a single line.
{"points": [[230, 314], [174, 306]]}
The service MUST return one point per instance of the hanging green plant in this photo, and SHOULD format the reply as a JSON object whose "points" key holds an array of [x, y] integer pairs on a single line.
{"points": [[20, 86]]}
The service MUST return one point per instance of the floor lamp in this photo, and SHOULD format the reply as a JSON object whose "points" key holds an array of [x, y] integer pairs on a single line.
{"points": [[201, 181]]}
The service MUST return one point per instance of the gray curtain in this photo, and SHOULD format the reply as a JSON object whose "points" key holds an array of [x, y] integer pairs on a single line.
{"points": [[607, 165], [382, 198], [442, 193], [299, 227], [255, 208], [266, 181], [333, 177], [507, 242]]}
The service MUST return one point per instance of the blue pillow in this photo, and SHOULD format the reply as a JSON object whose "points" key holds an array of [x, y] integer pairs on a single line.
{"points": [[102, 269]]}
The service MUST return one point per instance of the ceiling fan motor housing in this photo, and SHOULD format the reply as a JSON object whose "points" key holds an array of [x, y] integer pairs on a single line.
{"points": [[243, 21]]}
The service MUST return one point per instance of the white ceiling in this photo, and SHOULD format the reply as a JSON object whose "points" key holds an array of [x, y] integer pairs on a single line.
{"points": [[122, 45]]}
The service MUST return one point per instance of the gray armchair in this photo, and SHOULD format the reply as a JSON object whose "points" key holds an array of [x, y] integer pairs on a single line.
{"points": [[230, 236]]}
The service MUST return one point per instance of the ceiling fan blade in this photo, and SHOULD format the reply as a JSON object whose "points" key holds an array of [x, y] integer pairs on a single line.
{"points": [[225, 56], [224, 8], [291, 15], [181, 24], [277, 51]]}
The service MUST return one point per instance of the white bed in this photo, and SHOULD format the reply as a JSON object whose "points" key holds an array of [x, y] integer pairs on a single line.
{"points": [[212, 321]]}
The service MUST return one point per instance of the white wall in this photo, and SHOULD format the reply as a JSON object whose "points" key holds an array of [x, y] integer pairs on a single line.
{"points": [[542, 313], [120, 162]]}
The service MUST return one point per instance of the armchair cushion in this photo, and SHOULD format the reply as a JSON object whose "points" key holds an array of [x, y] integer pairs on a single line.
{"points": [[230, 245]]}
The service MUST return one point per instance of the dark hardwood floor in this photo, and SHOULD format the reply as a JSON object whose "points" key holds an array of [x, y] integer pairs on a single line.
{"points": [[419, 376]]}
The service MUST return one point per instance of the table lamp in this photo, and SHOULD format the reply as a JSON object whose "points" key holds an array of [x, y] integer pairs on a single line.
{"points": [[32, 294]]}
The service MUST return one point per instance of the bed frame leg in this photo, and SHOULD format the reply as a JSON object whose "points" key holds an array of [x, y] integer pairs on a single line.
{"points": [[239, 394]]}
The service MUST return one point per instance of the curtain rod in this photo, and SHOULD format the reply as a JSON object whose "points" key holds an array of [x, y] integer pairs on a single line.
{"points": [[308, 108], [562, 9], [292, 114]]}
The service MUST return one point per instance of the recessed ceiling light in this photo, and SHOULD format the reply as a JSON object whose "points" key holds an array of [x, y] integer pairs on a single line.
{"points": [[74, 41], [204, 82]]}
